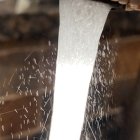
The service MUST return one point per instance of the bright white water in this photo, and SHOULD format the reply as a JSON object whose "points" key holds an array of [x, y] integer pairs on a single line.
{"points": [[81, 24]]}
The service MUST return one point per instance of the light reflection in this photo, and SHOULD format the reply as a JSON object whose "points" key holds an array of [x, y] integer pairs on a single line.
{"points": [[72, 82]]}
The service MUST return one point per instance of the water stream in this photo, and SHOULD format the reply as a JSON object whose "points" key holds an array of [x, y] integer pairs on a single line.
{"points": [[81, 24]]}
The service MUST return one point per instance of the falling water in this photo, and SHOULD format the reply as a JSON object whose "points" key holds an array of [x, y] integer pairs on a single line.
{"points": [[81, 24]]}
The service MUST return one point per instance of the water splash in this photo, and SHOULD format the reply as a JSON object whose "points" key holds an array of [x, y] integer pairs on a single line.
{"points": [[26, 86], [100, 105]]}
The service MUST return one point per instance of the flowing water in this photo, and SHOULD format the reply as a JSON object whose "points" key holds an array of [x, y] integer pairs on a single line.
{"points": [[81, 24]]}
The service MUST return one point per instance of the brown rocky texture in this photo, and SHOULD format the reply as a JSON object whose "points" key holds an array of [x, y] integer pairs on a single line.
{"points": [[130, 4]]}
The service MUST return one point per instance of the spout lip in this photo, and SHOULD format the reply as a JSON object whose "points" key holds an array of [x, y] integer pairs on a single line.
{"points": [[128, 5], [123, 2], [114, 3]]}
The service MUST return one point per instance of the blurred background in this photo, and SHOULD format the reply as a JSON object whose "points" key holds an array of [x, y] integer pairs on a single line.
{"points": [[28, 51]]}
